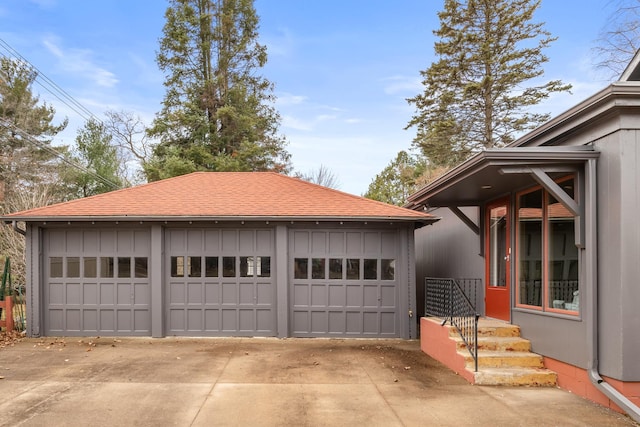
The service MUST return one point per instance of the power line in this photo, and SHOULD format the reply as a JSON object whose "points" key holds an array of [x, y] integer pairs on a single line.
{"points": [[29, 138], [50, 86]]}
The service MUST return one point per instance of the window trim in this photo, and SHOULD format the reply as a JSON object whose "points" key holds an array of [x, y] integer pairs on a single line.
{"points": [[546, 306]]}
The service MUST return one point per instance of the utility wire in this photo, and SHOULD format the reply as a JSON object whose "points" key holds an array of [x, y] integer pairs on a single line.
{"points": [[51, 87], [27, 137]]}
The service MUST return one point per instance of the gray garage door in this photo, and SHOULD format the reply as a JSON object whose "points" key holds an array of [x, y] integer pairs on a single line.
{"points": [[97, 282], [343, 283], [220, 282]]}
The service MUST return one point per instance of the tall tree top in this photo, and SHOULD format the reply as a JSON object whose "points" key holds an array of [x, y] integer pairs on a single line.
{"points": [[478, 92]]}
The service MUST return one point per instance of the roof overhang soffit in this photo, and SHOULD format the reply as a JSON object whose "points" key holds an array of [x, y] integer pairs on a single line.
{"points": [[495, 173]]}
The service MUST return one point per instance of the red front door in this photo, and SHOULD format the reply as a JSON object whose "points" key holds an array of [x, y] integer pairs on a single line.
{"points": [[498, 260]]}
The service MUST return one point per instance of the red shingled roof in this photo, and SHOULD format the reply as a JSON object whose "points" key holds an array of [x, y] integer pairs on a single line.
{"points": [[223, 195]]}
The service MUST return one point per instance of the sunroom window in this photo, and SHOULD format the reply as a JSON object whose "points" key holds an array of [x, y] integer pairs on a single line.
{"points": [[547, 267]]}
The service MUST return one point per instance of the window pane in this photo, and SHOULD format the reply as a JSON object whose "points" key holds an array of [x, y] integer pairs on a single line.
{"points": [[73, 266], [229, 266], [563, 254], [55, 266], [247, 266], [177, 266], [529, 248], [498, 246], [317, 268], [90, 267], [388, 269], [195, 266], [353, 269], [211, 266], [106, 266], [263, 266], [335, 268], [124, 267], [370, 269], [301, 268], [141, 267]]}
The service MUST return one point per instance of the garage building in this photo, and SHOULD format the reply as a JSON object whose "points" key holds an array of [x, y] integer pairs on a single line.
{"points": [[221, 254]]}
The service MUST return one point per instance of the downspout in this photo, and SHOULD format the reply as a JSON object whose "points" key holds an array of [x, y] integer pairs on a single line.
{"points": [[18, 229], [592, 296]]}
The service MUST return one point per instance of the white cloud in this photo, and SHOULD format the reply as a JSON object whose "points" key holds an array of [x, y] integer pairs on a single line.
{"points": [[279, 44], [285, 99], [78, 62], [402, 84]]}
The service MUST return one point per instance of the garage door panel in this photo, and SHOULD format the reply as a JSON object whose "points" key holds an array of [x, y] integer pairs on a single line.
{"points": [[230, 293], [82, 296], [107, 320], [388, 297], [124, 294], [72, 320], [177, 293], [229, 320], [212, 293], [141, 294], [264, 294], [90, 294], [337, 295], [107, 293], [212, 320], [194, 320], [337, 321], [319, 296], [354, 322], [141, 321], [350, 285], [370, 296], [72, 295], [194, 293], [245, 291], [90, 320]]}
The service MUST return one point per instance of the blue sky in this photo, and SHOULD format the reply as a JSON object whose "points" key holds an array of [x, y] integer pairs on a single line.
{"points": [[342, 69]]}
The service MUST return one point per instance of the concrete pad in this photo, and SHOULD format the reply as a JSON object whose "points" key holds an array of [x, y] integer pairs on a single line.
{"points": [[262, 382]]}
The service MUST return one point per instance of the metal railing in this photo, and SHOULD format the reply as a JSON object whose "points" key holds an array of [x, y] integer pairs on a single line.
{"points": [[446, 298]]}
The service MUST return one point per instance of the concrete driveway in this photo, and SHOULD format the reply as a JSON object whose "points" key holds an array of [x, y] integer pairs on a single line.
{"points": [[262, 382]]}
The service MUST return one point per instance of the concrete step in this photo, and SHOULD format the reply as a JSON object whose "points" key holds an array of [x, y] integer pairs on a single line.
{"points": [[534, 377], [492, 328], [503, 359], [497, 344]]}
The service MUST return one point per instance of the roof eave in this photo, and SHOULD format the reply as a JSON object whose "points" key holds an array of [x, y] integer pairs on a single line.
{"points": [[246, 218]]}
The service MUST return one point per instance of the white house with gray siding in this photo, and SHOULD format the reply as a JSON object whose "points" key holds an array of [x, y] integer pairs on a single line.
{"points": [[550, 225], [221, 254]]}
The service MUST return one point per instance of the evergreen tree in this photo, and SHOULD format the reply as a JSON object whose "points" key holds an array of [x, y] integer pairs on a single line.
{"points": [[475, 94], [26, 131], [217, 112], [99, 158], [398, 180]]}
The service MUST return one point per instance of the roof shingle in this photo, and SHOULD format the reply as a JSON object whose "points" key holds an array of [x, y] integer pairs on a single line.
{"points": [[223, 195]]}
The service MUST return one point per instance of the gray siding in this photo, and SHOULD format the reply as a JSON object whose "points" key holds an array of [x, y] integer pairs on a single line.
{"points": [[448, 248], [619, 254]]}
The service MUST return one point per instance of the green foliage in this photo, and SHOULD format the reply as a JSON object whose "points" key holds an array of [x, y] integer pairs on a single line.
{"points": [[99, 158], [398, 180], [26, 130], [217, 112], [475, 94]]}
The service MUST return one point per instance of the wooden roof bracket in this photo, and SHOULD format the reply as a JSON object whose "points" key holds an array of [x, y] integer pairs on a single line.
{"points": [[575, 206]]}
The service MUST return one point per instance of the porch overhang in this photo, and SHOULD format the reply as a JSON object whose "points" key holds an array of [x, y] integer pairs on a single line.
{"points": [[496, 172]]}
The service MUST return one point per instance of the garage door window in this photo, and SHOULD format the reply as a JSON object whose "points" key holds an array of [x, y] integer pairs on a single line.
{"points": [[211, 266], [353, 269], [194, 266], [124, 267], [301, 268], [335, 268], [370, 269], [141, 267], [55, 266], [90, 267], [106, 267], [388, 269], [73, 267]]}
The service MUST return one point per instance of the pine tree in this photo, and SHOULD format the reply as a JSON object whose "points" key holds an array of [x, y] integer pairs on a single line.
{"points": [[217, 112], [475, 94], [26, 130]]}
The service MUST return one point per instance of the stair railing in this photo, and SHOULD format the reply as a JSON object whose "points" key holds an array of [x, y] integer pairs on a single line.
{"points": [[445, 298]]}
